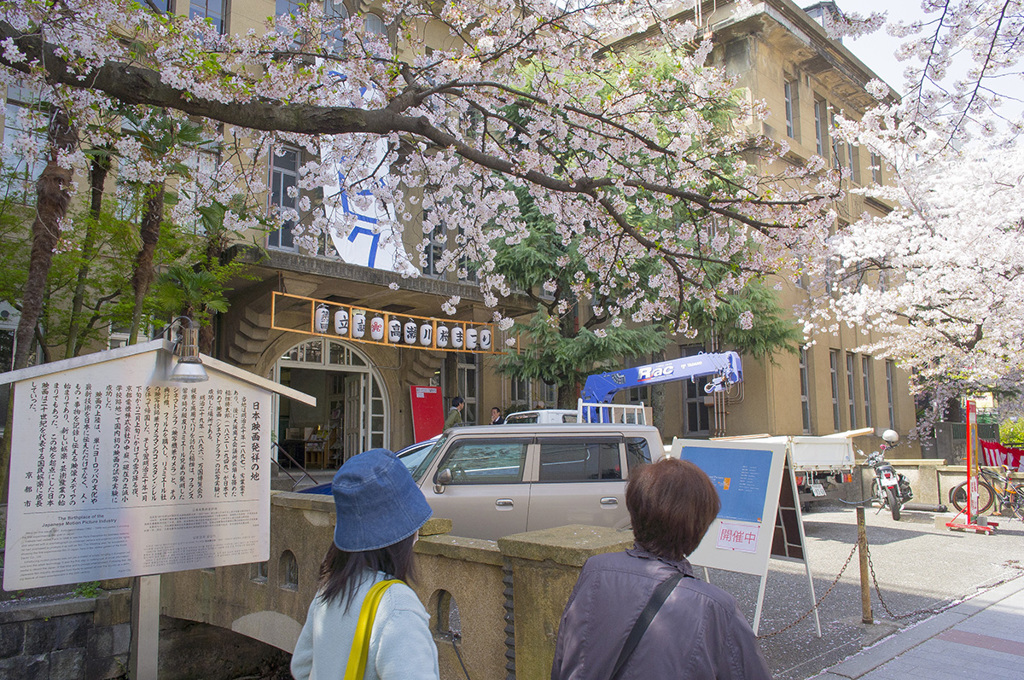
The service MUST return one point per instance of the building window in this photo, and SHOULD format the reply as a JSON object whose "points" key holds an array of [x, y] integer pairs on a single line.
{"points": [[792, 113], [833, 373], [549, 394], [211, 10], [865, 376], [519, 395], [22, 119], [853, 160], [334, 14], [821, 127], [876, 168], [200, 179], [890, 391], [433, 250], [374, 25], [838, 152], [284, 183], [641, 394], [805, 392], [468, 369], [696, 419], [851, 384]]}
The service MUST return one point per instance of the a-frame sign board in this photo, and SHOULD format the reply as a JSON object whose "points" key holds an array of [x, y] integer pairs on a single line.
{"points": [[760, 515]]}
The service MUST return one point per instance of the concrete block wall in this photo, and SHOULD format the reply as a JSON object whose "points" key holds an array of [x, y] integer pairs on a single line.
{"points": [[63, 639]]}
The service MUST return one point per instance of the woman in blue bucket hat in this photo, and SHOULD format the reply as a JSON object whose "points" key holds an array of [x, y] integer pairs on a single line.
{"points": [[379, 512]]}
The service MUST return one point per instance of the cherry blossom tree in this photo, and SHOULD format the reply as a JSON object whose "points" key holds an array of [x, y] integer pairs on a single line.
{"points": [[593, 133], [941, 275], [963, 63]]}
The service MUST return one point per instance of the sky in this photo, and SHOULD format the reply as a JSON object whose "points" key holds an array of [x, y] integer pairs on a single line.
{"points": [[877, 50]]}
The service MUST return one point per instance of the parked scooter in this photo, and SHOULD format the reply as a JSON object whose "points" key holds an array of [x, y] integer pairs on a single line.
{"points": [[889, 488]]}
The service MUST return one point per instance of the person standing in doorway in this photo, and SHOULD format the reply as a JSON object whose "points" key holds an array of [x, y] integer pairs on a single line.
{"points": [[454, 418], [496, 417]]}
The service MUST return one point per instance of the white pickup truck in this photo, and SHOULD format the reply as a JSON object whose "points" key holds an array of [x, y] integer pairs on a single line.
{"points": [[820, 463]]}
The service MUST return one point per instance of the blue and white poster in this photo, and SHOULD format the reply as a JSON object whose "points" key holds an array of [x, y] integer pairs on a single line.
{"points": [[740, 476]]}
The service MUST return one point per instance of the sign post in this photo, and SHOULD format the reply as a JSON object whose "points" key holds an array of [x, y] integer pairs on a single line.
{"points": [[760, 514], [972, 521], [116, 471]]}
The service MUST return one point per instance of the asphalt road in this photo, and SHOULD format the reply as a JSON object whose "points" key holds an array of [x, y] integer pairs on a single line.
{"points": [[918, 567]]}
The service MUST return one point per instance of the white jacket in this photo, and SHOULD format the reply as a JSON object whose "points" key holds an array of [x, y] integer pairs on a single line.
{"points": [[401, 646]]}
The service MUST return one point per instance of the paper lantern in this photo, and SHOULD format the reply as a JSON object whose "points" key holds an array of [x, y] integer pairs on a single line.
{"points": [[411, 332], [394, 331], [442, 336], [457, 337], [341, 322], [358, 324], [426, 334], [471, 336], [485, 338], [377, 328], [321, 319]]}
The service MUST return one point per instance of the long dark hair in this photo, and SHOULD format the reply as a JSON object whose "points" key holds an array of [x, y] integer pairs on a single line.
{"points": [[340, 569]]}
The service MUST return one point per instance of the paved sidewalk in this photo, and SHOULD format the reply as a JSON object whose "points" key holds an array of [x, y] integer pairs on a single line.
{"points": [[981, 638]]}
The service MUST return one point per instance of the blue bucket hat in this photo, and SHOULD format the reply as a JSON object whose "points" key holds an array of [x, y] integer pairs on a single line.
{"points": [[377, 503]]}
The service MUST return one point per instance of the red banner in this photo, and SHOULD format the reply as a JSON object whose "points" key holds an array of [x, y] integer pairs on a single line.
{"points": [[995, 454], [427, 412]]}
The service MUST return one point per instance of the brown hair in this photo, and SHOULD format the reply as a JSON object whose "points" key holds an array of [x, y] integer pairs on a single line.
{"points": [[671, 504]]}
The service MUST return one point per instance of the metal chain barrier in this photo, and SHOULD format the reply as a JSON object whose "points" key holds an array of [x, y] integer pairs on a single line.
{"points": [[881, 600], [816, 604], [1013, 564]]}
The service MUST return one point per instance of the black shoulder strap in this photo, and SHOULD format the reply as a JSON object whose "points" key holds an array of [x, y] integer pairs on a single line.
{"points": [[658, 598]]}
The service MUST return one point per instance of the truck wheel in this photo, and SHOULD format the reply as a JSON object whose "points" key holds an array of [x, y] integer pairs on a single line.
{"points": [[894, 503]]}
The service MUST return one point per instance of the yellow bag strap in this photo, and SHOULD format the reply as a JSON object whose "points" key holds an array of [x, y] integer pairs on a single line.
{"points": [[356, 667]]}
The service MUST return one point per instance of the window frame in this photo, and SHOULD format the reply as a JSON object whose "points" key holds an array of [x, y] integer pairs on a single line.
{"points": [[805, 391], [851, 389], [833, 372], [276, 172]]}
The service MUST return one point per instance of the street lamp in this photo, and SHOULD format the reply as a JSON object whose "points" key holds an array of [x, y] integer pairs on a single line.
{"points": [[189, 368]]}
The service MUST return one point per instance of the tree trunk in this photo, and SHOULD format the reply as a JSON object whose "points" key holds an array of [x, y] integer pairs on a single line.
{"points": [[52, 199], [98, 170], [149, 230]]}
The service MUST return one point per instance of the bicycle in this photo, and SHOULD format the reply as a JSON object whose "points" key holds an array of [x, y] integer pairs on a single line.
{"points": [[1010, 499]]}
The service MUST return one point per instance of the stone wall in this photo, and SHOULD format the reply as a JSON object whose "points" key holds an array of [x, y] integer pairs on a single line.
{"points": [[930, 478], [494, 607], [61, 639]]}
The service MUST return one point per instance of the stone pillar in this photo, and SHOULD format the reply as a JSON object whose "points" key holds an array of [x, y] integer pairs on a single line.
{"points": [[545, 566]]}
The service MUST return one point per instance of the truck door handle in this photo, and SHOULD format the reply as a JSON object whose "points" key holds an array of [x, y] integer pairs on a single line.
{"points": [[609, 500], [504, 503]]}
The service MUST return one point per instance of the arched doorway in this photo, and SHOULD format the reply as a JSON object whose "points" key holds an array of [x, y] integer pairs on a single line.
{"points": [[352, 411]]}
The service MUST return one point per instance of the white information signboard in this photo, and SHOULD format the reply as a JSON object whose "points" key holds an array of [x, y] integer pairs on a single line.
{"points": [[760, 515], [117, 472]]}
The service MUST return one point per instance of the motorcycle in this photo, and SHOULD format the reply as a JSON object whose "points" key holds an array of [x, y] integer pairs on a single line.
{"points": [[890, 488]]}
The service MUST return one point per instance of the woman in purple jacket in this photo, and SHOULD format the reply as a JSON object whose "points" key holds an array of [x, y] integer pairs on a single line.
{"points": [[697, 633]]}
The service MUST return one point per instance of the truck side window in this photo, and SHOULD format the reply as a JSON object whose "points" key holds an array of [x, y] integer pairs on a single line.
{"points": [[485, 461], [638, 452], [564, 459]]}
